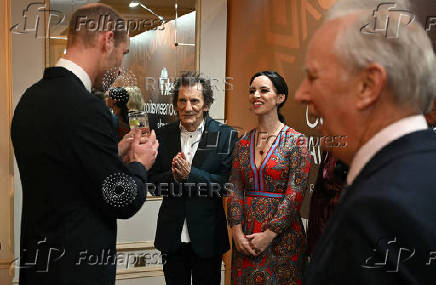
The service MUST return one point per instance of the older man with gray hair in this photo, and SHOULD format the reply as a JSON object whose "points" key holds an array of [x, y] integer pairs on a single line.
{"points": [[371, 76]]}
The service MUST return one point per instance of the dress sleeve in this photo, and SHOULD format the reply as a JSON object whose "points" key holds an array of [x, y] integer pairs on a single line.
{"points": [[299, 166], [235, 204]]}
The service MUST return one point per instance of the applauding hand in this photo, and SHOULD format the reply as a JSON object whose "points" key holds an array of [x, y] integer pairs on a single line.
{"points": [[180, 167]]}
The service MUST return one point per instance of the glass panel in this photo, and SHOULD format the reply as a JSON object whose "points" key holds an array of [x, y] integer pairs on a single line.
{"points": [[162, 44]]}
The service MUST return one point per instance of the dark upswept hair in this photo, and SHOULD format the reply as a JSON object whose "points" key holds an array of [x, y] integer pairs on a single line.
{"points": [[280, 86], [121, 97], [189, 79], [93, 12]]}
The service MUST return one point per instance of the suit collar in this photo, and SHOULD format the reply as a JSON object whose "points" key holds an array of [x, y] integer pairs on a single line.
{"points": [[60, 72], [419, 141], [77, 70], [382, 138], [208, 123], [209, 135], [199, 129]]}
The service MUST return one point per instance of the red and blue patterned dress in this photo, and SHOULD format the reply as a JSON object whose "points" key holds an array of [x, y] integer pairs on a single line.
{"points": [[270, 197]]}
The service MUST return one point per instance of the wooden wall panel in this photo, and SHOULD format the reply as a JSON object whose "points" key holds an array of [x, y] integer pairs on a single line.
{"points": [[6, 154]]}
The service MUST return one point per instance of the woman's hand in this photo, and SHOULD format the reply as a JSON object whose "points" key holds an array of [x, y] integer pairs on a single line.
{"points": [[260, 241], [241, 242]]}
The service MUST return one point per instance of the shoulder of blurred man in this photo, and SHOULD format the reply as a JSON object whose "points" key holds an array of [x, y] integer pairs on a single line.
{"points": [[391, 185]]}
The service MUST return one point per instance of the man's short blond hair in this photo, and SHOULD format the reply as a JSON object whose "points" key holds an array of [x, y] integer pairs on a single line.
{"points": [[89, 20]]}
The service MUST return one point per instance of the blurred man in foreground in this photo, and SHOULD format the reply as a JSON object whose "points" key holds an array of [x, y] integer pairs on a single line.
{"points": [[373, 88]]}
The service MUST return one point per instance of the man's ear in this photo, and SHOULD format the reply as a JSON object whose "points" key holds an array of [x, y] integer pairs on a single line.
{"points": [[108, 41], [372, 82]]}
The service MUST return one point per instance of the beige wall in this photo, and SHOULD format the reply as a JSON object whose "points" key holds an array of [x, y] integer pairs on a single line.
{"points": [[27, 68], [6, 161], [212, 45], [269, 35]]}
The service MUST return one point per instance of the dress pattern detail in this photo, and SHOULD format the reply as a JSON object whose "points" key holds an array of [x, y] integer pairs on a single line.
{"points": [[270, 197]]}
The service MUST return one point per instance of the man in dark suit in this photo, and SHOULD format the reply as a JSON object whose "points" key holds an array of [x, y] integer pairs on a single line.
{"points": [[373, 86], [75, 184], [190, 172]]}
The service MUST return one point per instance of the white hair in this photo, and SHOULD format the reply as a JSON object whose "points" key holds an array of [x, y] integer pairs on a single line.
{"points": [[136, 102], [408, 58]]}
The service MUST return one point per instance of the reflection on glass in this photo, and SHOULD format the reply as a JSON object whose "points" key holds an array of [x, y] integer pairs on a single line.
{"points": [[139, 120]]}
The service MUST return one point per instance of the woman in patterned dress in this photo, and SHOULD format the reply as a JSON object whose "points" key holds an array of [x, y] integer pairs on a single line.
{"points": [[270, 173]]}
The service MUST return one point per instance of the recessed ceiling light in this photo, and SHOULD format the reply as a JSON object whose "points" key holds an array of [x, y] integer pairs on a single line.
{"points": [[133, 4]]}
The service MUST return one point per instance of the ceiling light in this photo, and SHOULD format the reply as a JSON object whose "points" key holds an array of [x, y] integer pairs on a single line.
{"points": [[133, 4]]}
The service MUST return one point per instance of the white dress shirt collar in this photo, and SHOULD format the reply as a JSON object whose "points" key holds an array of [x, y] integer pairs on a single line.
{"points": [[77, 70], [185, 131], [382, 138]]}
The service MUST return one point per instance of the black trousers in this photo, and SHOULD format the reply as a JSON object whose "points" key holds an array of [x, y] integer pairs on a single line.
{"points": [[180, 266]]}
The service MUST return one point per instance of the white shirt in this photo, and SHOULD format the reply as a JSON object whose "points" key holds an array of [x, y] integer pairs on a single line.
{"points": [[189, 145], [77, 70], [382, 138]]}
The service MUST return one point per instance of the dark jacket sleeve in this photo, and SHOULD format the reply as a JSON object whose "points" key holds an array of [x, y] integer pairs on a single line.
{"points": [[118, 189]]}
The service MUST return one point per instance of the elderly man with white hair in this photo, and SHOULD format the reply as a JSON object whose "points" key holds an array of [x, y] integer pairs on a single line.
{"points": [[372, 86]]}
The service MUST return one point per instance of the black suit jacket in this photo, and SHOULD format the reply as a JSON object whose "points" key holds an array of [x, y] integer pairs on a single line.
{"points": [[384, 230], [74, 184], [202, 209]]}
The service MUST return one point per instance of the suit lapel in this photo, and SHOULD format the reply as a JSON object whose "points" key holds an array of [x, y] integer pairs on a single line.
{"points": [[173, 141], [208, 138]]}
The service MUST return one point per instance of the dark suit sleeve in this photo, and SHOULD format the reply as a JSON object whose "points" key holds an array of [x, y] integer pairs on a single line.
{"points": [[116, 188], [200, 176]]}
